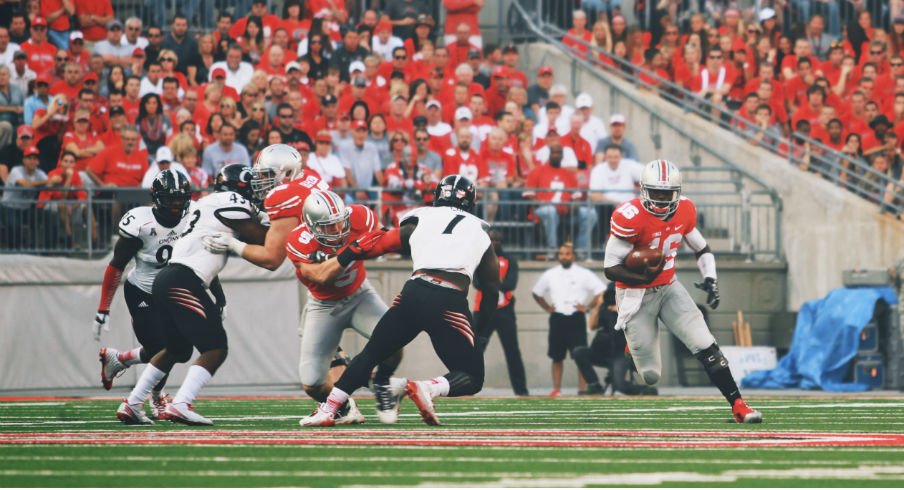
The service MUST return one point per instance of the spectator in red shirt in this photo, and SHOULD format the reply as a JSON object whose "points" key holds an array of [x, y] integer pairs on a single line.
{"points": [[260, 14], [465, 12], [834, 134], [65, 175], [71, 82], [581, 147], [801, 50], [57, 13], [458, 51], [82, 141], [40, 52], [510, 58], [578, 38], [796, 87], [687, 73], [123, 165], [93, 16], [463, 159], [872, 141], [715, 80], [778, 114]]}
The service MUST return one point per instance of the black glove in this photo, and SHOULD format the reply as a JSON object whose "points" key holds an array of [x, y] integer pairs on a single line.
{"points": [[712, 291]]}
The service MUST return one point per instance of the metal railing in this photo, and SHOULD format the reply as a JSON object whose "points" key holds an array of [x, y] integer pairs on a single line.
{"points": [[745, 186], [790, 14], [530, 228], [850, 172]]}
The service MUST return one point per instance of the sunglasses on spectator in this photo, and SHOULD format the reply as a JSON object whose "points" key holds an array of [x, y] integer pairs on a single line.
{"points": [[42, 84], [39, 28], [876, 52], [133, 28], [286, 116], [91, 82], [315, 41], [403, 57], [422, 139], [223, 106], [399, 140], [672, 33], [257, 109], [63, 59], [81, 120], [251, 94], [715, 56], [895, 65], [168, 59], [155, 35]]}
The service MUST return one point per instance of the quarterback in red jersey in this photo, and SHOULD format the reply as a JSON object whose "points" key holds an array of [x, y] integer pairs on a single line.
{"points": [[662, 219], [338, 299]]}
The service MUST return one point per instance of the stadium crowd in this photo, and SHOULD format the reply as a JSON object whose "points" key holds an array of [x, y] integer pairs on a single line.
{"points": [[841, 85], [391, 99]]}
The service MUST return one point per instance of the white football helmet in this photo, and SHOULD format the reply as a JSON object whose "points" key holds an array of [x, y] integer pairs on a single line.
{"points": [[660, 187], [276, 164], [327, 217]]}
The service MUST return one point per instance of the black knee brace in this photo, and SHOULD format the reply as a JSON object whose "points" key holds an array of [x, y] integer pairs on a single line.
{"points": [[463, 384], [339, 359], [712, 359]]}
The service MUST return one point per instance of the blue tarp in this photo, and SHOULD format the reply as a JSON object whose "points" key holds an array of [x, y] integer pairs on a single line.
{"points": [[825, 341]]}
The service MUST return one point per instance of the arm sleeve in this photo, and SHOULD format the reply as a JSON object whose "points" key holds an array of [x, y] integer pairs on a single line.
{"points": [[695, 240], [617, 250], [112, 276]]}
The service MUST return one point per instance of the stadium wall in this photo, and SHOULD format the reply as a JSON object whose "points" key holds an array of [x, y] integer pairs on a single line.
{"points": [[48, 306], [825, 229]]}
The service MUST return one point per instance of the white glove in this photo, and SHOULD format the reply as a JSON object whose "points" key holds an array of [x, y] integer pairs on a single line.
{"points": [[100, 322], [220, 243]]}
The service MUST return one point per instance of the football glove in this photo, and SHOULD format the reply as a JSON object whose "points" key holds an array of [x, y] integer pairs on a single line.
{"points": [[712, 291], [100, 322], [319, 256], [220, 243], [366, 243]]}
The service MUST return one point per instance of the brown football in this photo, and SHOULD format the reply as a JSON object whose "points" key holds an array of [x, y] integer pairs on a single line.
{"points": [[643, 257]]}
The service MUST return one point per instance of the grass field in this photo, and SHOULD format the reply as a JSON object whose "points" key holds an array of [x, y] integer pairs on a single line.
{"points": [[671, 441]]}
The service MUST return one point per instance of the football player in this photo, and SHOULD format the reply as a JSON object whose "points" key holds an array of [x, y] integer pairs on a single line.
{"points": [[662, 218], [447, 245], [190, 318], [342, 299], [147, 234]]}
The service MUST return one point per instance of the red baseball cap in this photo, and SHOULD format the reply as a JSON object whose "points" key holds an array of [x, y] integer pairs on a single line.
{"points": [[24, 131], [500, 71], [91, 76], [302, 146], [137, 52], [544, 70], [39, 21], [44, 78], [218, 72], [358, 124], [324, 136], [32, 150], [383, 25]]}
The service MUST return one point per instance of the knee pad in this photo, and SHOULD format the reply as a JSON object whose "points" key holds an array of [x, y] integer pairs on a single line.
{"points": [[339, 358], [712, 359], [650, 377]]}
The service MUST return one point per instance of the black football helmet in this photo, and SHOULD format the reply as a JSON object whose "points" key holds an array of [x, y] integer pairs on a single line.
{"points": [[235, 178], [171, 191], [456, 191]]}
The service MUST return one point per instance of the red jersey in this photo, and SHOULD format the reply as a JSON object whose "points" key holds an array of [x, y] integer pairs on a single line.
{"points": [[40, 56], [286, 200], [114, 166], [102, 8], [302, 247], [633, 223], [82, 143], [471, 166], [500, 165]]}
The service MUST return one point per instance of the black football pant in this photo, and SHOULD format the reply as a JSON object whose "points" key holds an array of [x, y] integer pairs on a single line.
{"points": [[444, 315], [145, 323], [601, 354], [504, 324], [188, 314]]}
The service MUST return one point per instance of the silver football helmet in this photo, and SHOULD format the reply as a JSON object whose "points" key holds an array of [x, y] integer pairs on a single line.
{"points": [[660, 187], [276, 164], [327, 217]]}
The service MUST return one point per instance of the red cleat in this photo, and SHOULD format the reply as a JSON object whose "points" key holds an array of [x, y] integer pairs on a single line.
{"points": [[743, 414], [554, 393]]}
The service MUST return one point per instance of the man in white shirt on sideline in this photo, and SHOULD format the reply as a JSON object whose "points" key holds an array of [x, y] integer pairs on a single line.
{"points": [[593, 129], [238, 72], [569, 159], [327, 164], [163, 161], [568, 292]]}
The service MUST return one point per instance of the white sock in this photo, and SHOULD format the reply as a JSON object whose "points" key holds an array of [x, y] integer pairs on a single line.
{"points": [[438, 386], [336, 399], [148, 380], [130, 357], [196, 378]]}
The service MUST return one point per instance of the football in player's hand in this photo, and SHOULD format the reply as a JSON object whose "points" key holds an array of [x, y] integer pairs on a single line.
{"points": [[640, 258]]}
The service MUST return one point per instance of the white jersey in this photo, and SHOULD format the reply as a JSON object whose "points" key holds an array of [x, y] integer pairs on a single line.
{"points": [[157, 242], [447, 239], [205, 220]]}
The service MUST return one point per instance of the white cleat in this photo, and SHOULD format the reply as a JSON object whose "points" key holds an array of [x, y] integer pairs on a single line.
{"points": [[419, 393], [184, 413], [110, 367], [158, 405], [320, 417], [389, 400], [132, 414], [349, 414]]}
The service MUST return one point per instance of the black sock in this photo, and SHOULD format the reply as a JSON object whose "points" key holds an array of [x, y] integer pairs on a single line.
{"points": [[725, 382]]}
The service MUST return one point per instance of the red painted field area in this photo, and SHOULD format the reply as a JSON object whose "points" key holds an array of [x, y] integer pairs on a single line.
{"points": [[463, 438]]}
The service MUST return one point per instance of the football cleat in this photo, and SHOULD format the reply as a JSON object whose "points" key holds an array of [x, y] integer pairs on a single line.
{"points": [[592, 389], [418, 392], [184, 413], [158, 405], [110, 367], [743, 414], [320, 417], [554, 393], [349, 414], [132, 414], [388, 403]]}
